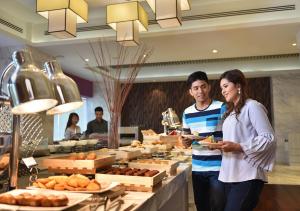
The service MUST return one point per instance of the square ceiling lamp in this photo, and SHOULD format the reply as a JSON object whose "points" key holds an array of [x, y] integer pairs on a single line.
{"points": [[168, 12], [63, 15], [128, 19]]}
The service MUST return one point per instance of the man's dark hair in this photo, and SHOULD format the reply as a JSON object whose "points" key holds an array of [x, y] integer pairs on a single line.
{"points": [[195, 76], [99, 109]]}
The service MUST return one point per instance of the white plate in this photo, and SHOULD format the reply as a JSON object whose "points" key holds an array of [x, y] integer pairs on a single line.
{"points": [[104, 187], [202, 143], [193, 137], [74, 198]]}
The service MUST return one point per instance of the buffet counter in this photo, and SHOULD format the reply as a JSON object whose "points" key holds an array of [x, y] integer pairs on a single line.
{"points": [[171, 193], [173, 190]]}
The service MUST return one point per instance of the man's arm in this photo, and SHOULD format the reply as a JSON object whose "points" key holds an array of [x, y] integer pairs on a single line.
{"points": [[89, 129], [186, 142], [106, 126]]}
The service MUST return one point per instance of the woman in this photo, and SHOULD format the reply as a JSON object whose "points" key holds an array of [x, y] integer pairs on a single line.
{"points": [[72, 130], [248, 144]]}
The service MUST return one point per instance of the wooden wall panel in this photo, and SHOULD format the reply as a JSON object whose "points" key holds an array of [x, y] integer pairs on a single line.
{"points": [[146, 101]]}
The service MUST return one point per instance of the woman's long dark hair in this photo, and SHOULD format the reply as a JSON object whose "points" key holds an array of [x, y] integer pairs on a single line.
{"points": [[69, 123], [237, 77]]}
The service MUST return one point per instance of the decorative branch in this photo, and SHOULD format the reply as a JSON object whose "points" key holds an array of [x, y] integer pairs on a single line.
{"points": [[117, 81]]}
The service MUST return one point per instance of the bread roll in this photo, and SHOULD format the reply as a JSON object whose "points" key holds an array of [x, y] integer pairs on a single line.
{"points": [[91, 156], [46, 202], [20, 199], [81, 156], [8, 199], [59, 201]]}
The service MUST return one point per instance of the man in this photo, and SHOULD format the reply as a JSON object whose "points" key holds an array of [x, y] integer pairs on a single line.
{"points": [[204, 118], [97, 125]]}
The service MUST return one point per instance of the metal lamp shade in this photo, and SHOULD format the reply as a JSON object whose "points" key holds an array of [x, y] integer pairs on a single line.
{"points": [[66, 90], [29, 87]]}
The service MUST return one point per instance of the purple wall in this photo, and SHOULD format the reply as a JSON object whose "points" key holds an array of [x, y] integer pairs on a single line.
{"points": [[85, 86]]}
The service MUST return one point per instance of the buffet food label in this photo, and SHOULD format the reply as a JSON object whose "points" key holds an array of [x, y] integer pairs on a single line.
{"points": [[29, 162]]}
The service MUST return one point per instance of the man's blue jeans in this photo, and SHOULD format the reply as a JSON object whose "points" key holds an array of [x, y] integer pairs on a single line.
{"points": [[209, 193]]}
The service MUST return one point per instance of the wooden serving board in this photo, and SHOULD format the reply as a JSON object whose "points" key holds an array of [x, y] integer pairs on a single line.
{"points": [[164, 147], [136, 183], [170, 166], [145, 149], [126, 154], [141, 188], [67, 166], [170, 139]]}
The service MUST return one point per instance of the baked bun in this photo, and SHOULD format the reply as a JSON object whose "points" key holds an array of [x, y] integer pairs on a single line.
{"points": [[93, 186], [81, 156], [91, 156]]}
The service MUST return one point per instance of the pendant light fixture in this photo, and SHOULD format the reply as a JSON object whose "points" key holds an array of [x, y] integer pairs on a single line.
{"points": [[63, 15], [168, 12], [128, 19]]}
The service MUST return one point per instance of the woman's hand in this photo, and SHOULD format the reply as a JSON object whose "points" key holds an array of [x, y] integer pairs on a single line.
{"points": [[229, 146]]}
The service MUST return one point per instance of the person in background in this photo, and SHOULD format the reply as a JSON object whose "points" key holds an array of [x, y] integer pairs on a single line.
{"points": [[98, 125], [248, 144], [72, 130], [204, 118]]}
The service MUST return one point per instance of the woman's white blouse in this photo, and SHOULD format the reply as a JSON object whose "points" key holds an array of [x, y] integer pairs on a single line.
{"points": [[70, 132], [253, 131]]}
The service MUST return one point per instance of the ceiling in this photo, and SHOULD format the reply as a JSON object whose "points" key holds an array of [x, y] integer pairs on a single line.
{"points": [[236, 28]]}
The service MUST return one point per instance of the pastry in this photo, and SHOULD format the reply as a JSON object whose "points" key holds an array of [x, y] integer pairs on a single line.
{"points": [[44, 180], [73, 156], [81, 156], [73, 182], [80, 189], [59, 201], [91, 156], [135, 143], [27, 199], [209, 139], [151, 173], [35, 184], [129, 173], [59, 179], [37, 200], [141, 172], [7, 199], [50, 185], [46, 202], [59, 187], [20, 199], [82, 182], [41, 185], [33, 201], [93, 186], [4, 161]]}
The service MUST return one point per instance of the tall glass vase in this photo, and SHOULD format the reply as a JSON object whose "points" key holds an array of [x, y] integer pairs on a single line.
{"points": [[113, 131]]}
